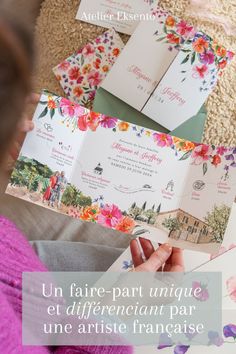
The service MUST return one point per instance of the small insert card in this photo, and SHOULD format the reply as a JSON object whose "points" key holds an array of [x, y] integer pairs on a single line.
{"points": [[169, 69], [99, 169], [122, 15], [81, 74]]}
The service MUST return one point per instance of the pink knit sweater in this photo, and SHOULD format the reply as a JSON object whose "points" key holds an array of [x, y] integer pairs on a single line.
{"points": [[17, 256]]}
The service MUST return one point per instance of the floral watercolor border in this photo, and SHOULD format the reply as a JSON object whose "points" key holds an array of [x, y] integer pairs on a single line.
{"points": [[206, 56], [74, 116]]}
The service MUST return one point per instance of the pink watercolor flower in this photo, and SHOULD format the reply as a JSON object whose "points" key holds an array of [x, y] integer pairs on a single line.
{"points": [[64, 65], [201, 153], [88, 50], [230, 55], [71, 109], [74, 73], [231, 286], [221, 150], [94, 78], [184, 29], [200, 71], [162, 139], [204, 294], [207, 58], [92, 95], [108, 122], [89, 121], [110, 216]]}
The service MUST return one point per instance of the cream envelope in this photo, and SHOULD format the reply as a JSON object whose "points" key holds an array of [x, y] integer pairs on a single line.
{"points": [[168, 68], [190, 79], [123, 15]]}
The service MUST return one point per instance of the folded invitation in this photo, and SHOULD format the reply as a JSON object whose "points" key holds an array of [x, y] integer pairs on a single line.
{"points": [[100, 169], [81, 74], [169, 69], [123, 15]]}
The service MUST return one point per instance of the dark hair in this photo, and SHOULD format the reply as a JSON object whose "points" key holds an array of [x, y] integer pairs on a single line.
{"points": [[16, 54]]}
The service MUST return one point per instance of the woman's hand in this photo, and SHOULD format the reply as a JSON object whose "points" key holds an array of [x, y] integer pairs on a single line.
{"points": [[25, 126], [165, 258]]}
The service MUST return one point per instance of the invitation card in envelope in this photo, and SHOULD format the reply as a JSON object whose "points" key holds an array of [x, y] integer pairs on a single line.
{"points": [[82, 73], [188, 82], [123, 16], [169, 69], [125, 177], [144, 61]]}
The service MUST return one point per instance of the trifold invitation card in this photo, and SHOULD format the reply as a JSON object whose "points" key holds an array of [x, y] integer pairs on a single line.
{"points": [[81, 74], [125, 177], [169, 69], [122, 15]]}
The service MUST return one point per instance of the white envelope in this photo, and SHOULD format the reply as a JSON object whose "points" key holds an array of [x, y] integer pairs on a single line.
{"points": [[167, 70]]}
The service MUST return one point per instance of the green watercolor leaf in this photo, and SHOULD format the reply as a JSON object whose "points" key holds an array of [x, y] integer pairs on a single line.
{"points": [[52, 113], [205, 168], [186, 156], [186, 59], [44, 113]]}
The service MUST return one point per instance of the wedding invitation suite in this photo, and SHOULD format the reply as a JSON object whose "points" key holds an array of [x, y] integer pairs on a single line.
{"points": [[100, 169], [123, 16], [169, 69], [81, 74]]}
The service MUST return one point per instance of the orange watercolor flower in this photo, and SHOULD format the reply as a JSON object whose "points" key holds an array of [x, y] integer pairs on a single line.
{"points": [[221, 52], [90, 213], [222, 64], [173, 39], [170, 21], [52, 104], [183, 145], [86, 69], [126, 225], [58, 77], [123, 126], [78, 91], [105, 68], [200, 45], [116, 52]]}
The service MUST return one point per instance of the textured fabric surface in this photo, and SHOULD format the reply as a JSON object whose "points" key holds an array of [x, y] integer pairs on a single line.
{"points": [[67, 256]]}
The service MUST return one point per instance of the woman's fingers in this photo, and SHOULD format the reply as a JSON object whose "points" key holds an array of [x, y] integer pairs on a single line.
{"points": [[33, 98], [147, 247], [136, 253], [156, 260], [26, 126], [177, 261]]}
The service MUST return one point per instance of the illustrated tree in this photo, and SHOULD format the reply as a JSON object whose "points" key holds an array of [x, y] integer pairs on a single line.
{"points": [[71, 196], [172, 224], [135, 212], [150, 214], [84, 201], [133, 205], [158, 209], [217, 220], [144, 206]]}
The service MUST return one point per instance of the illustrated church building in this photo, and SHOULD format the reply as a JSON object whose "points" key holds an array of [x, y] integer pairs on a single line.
{"points": [[192, 229]]}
